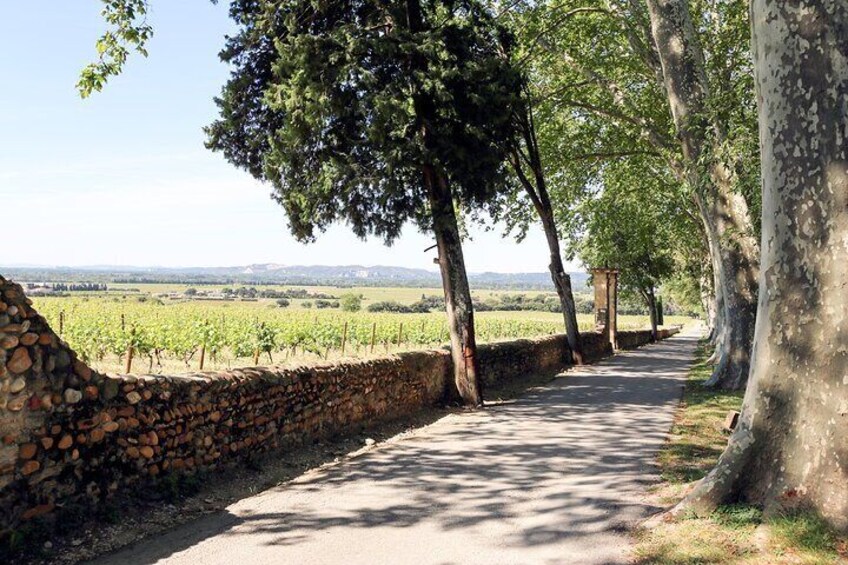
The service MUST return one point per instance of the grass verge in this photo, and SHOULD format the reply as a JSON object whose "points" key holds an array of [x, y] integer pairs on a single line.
{"points": [[734, 534]]}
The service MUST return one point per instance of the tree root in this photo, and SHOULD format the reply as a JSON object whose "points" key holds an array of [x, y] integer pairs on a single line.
{"points": [[721, 484]]}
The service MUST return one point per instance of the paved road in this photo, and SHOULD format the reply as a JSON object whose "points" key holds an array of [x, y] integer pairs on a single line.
{"points": [[554, 478]]}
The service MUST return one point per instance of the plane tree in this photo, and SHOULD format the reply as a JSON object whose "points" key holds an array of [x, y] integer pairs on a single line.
{"points": [[640, 227], [597, 67], [788, 450]]}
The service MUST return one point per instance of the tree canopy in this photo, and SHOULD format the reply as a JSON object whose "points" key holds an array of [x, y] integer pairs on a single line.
{"points": [[321, 105]]}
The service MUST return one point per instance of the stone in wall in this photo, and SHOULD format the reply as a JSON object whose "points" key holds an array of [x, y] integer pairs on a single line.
{"points": [[40, 381], [72, 436]]}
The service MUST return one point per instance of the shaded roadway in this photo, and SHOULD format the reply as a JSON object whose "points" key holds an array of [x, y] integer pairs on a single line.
{"points": [[556, 477]]}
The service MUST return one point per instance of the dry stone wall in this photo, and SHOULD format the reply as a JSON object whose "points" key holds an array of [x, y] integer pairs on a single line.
{"points": [[70, 436]]}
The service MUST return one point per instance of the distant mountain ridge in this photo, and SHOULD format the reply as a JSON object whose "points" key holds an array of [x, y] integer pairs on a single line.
{"points": [[272, 273]]}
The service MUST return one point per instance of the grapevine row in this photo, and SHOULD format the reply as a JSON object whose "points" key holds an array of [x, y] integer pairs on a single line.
{"points": [[96, 329]]}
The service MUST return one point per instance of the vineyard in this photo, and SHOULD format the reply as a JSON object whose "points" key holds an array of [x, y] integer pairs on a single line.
{"points": [[148, 336]]}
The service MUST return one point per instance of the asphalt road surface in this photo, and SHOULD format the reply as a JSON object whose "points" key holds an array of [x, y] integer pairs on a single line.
{"points": [[557, 477]]}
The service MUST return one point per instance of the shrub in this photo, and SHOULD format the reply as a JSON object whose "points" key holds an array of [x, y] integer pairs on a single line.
{"points": [[351, 302], [389, 306]]}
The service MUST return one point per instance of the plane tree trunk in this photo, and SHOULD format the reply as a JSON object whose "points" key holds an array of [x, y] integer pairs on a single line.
{"points": [[651, 302], [724, 211], [709, 301], [790, 447], [526, 154]]}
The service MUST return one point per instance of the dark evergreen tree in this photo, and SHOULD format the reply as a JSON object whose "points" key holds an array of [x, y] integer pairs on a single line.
{"points": [[376, 113]]}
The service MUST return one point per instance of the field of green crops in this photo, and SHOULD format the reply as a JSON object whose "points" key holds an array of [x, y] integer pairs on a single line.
{"points": [[174, 336]]}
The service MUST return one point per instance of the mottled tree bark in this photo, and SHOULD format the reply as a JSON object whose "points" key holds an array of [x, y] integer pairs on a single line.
{"points": [[651, 302], [709, 301], [724, 211], [790, 447]]}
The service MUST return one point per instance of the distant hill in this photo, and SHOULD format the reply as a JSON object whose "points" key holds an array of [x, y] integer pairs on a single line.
{"points": [[270, 273]]}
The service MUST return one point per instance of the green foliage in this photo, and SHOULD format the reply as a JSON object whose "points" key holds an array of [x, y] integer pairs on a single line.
{"points": [[683, 288], [351, 302], [128, 31], [633, 228], [325, 99], [392, 306], [595, 87]]}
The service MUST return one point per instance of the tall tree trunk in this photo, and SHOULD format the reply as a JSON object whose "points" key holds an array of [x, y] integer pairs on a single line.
{"points": [[537, 191], [651, 303], [737, 269], [458, 304], [708, 301], [725, 212], [790, 447], [562, 283]]}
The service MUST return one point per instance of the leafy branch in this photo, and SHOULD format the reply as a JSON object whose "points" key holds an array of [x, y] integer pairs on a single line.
{"points": [[128, 31]]}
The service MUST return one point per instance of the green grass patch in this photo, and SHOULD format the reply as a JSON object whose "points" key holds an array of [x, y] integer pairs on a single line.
{"points": [[697, 437], [806, 538], [737, 533]]}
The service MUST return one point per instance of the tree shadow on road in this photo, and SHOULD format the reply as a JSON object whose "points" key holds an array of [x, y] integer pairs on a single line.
{"points": [[564, 463]]}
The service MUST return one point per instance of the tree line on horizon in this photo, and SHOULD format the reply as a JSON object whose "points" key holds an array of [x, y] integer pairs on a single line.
{"points": [[697, 144]]}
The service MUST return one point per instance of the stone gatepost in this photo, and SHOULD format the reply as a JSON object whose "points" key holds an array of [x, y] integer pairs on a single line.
{"points": [[606, 303]]}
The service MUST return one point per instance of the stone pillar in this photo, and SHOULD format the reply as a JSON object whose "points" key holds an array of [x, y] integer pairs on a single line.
{"points": [[606, 303]]}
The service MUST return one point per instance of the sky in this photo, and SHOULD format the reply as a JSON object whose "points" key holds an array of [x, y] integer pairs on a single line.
{"points": [[123, 178]]}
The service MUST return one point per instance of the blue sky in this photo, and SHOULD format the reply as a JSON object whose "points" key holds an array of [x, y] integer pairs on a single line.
{"points": [[123, 177]]}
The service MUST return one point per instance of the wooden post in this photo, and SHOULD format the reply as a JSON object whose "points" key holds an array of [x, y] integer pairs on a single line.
{"points": [[256, 357], [61, 322], [373, 335], [202, 355], [123, 323], [400, 334], [344, 338], [129, 359]]}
